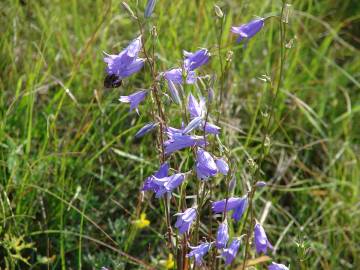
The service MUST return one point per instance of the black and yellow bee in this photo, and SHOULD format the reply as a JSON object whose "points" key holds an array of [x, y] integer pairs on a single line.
{"points": [[112, 81]]}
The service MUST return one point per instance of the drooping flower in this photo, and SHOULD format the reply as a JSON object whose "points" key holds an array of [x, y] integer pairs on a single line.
{"points": [[142, 222], [168, 184], [149, 183], [193, 124], [229, 253], [126, 62], [196, 109], [176, 76], [277, 266], [248, 30], [199, 252], [149, 8], [196, 59], [222, 166], [212, 129], [222, 235], [145, 129], [239, 211], [178, 141], [205, 165], [237, 204], [185, 219], [261, 241], [134, 99]]}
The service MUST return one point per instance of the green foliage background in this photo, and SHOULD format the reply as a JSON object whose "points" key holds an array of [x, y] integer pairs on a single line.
{"points": [[70, 170]]}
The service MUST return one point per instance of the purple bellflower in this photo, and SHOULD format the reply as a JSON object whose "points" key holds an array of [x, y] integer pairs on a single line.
{"points": [[149, 8], [145, 129], [194, 123], [222, 166], [198, 252], [126, 62], [205, 165], [229, 253], [198, 109], [149, 183], [277, 266], [196, 59], [134, 99], [185, 219], [237, 204], [248, 30], [261, 241], [176, 76], [212, 129], [168, 184], [178, 141], [222, 235]]}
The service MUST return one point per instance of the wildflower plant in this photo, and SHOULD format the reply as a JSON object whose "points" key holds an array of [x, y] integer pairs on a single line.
{"points": [[187, 191]]}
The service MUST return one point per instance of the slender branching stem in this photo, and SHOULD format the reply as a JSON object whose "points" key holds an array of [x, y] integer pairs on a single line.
{"points": [[263, 151]]}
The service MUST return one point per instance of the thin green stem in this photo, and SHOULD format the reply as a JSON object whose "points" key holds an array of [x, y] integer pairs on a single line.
{"points": [[263, 152]]}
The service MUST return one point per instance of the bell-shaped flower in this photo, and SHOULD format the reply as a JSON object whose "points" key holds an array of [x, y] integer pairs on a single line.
{"points": [[205, 165], [178, 141], [193, 124], [185, 219], [229, 253], [196, 108], [261, 241], [196, 59], [149, 183], [145, 129], [176, 76], [168, 184], [222, 166], [199, 252], [212, 129], [277, 266], [222, 235], [238, 205], [248, 30], [134, 99], [126, 62]]}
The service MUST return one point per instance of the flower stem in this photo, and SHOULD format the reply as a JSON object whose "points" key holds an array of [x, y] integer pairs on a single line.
{"points": [[262, 156]]}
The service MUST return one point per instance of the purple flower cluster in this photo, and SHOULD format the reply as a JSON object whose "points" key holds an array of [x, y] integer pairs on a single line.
{"points": [[194, 134]]}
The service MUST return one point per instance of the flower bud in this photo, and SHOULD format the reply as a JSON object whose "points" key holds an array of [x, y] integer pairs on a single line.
{"points": [[149, 8], [218, 11], [128, 10]]}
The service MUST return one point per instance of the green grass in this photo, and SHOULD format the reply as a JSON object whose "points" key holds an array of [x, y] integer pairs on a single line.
{"points": [[70, 170]]}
